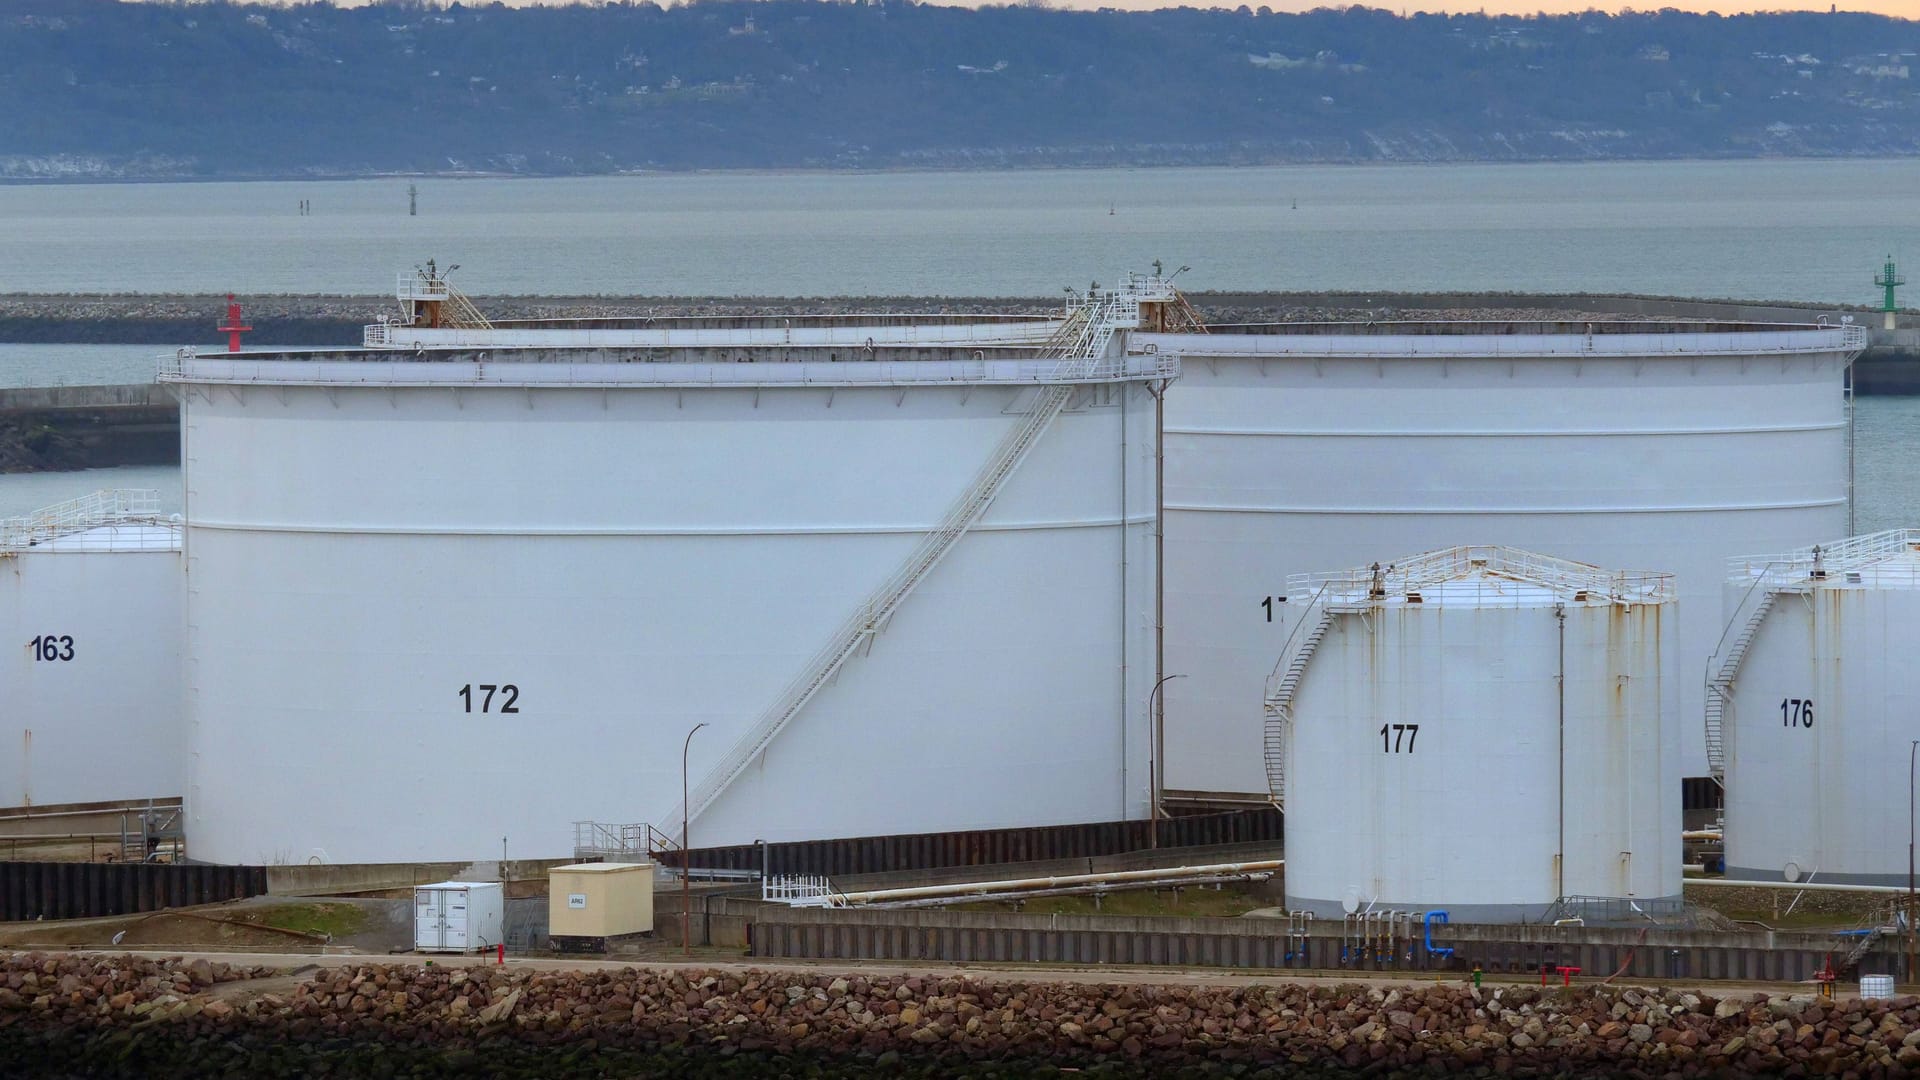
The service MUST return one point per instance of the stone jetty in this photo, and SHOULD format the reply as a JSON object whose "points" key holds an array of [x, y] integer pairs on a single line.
{"points": [[72, 1015]]}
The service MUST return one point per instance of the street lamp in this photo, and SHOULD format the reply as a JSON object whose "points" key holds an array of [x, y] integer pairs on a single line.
{"points": [[1913, 751], [686, 851], [1159, 748]]}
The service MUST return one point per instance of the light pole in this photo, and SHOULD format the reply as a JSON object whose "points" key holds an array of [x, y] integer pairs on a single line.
{"points": [[1913, 751], [1159, 751], [686, 851]]}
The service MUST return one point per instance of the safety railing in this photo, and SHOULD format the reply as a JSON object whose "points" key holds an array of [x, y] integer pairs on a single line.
{"points": [[111, 507], [1455, 565], [1890, 557], [294, 370], [417, 286], [799, 890], [1784, 341]]}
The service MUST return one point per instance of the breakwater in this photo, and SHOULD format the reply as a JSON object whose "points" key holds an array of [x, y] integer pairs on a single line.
{"points": [[119, 1016], [57, 428]]}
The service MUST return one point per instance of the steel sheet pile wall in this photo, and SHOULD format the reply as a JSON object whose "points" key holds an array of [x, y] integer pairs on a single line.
{"points": [[90, 676], [1428, 748], [1289, 453], [1822, 711], [427, 618], [929, 851], [42, 890]]}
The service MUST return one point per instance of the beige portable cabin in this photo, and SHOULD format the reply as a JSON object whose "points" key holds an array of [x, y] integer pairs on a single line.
{"points": [[587, 903]]}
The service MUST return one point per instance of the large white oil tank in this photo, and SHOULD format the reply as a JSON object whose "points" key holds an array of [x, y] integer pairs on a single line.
{"points": [[90, 609], [1814, 700], [438, 606], [1288, 449], [1480, 730]]}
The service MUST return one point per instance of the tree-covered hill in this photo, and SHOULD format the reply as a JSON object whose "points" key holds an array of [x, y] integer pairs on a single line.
{"points": [[104, 88]]}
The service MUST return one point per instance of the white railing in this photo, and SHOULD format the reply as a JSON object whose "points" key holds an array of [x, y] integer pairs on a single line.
{"points": [[1412, 346], [292, 369], [1891, 556], [418, 286], [851, 335], [114, 506], [798, 890], [1455, 564]]}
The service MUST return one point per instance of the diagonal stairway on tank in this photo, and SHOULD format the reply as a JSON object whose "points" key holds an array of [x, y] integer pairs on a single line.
{"points": [[1294, 656], [1078, 350], [1724, 665]]}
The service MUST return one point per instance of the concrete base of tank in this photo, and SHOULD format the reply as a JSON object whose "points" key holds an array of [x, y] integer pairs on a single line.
{"points": [[1896, 878], [1459, 913]]}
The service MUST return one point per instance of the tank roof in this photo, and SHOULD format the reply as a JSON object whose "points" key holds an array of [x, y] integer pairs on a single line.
{"points": [[1529, 341], [1486, 576], [1888, 560], [116, 519]]}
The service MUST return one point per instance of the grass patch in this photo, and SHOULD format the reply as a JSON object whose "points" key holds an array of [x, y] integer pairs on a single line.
{"points": [[1187, 902], [336, 920]]}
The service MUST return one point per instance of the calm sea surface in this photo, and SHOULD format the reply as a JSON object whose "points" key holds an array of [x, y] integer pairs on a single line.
{"points": [[1808, 230]]}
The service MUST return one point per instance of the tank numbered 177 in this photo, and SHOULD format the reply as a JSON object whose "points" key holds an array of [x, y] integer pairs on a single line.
{"points": [[52, 647], [509, 697]]}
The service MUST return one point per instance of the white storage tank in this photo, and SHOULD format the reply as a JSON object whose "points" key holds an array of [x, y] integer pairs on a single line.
{"points": [[1479, 730], [1814, 701], [90, 606], [435, 603], [459, 916], [1289, 448]]}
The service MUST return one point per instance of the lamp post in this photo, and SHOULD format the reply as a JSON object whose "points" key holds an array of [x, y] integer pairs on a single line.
{"points": [[1913, 751], [686, 851], [1159, 751]]}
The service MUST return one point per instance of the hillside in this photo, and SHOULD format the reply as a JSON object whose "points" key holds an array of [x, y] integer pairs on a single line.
{"points": [[107, 89]]}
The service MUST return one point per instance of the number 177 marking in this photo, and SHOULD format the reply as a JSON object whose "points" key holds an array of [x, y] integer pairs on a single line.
{"points": [[1393, 744]]}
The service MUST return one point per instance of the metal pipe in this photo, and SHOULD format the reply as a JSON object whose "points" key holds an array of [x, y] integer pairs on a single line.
{"points": [[1560, 851], [964, 888], [1159, 589], [1701, 834]]}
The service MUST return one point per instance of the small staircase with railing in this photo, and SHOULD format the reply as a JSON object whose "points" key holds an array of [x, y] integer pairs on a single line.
{"points": [[1294, 656], [1725, 665]]}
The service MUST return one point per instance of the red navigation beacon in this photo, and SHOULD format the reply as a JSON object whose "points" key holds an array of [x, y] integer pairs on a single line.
{"points": [[233, 327]]}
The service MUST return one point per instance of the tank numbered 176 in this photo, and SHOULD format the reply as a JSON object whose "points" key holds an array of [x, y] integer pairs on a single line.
{"points": [[509, 697], [52, 647]]}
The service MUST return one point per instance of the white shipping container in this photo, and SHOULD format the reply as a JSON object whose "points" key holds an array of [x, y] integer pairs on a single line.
{"points": [[458, 916]]}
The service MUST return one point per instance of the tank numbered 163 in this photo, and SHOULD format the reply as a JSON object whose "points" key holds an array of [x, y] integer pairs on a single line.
{"points": [[52, 647], [509, 697]]}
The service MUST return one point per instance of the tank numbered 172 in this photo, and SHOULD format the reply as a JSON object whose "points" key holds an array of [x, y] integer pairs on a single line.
{"points": [[52, 647], [509, 697], [1796, 712]]}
